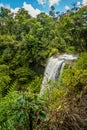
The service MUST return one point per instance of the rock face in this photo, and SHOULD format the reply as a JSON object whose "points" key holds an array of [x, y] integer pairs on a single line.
{"points": [[55, 67]]}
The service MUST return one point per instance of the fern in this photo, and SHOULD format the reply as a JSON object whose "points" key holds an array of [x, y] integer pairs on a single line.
{"points": [[13, 87]]}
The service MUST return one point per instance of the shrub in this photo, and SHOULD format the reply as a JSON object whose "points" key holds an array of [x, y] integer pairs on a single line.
{"points": [[21, 111]]}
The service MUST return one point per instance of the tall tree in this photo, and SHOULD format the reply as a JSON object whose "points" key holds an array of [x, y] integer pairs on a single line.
{"points": [[52, 11]]}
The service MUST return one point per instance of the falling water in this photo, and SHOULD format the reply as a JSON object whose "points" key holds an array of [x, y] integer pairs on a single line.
{"points": [[54, 68]]}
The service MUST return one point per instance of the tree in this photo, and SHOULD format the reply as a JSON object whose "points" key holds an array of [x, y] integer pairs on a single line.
{"points": [[4, 13], [52, 11]]}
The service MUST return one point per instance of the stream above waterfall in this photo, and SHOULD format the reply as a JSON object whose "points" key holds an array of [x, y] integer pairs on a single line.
{"points": [[55, 67]]}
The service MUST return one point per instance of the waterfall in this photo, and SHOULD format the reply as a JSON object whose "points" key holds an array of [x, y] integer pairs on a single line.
{"points": [[61, 70], [54, 68]]}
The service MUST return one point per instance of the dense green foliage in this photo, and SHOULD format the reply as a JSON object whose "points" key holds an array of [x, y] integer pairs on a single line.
{"points": [[26, 43], [22, 111]]}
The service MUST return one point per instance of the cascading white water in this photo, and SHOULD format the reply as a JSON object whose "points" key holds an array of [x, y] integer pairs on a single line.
{"points": [[54, 68]]}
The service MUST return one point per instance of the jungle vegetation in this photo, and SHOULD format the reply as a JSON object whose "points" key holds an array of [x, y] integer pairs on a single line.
{"points": [[26, 43]]}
